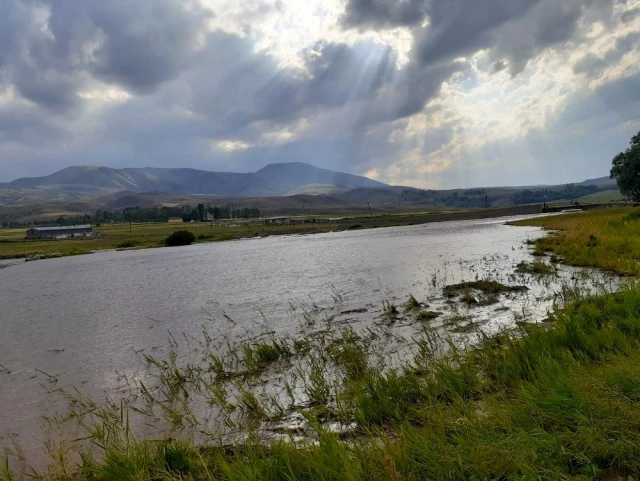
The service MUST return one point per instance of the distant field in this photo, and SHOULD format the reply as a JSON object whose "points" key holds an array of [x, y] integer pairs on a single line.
{"points": [[14, 245], [124, 236], [138, 236], [602, 197]]}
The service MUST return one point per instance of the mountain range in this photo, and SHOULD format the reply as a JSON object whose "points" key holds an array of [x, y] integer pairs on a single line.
{"points": [[276, 189], [272, 180]]}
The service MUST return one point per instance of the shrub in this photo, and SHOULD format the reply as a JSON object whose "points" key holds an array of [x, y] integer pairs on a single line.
{"points": [[126, 244], [180, 238]]}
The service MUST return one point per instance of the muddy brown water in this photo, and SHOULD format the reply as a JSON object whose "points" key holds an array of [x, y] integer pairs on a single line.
{"points": [[83, 321]]}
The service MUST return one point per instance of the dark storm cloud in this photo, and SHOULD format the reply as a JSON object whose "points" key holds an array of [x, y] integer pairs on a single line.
{"points": [[52, 49], [454, 26], [461, 27], [144, 43], [384, 13], [516, 30], [27, 61]]}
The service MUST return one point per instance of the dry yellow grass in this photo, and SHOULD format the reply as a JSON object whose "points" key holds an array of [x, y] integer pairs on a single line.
{"points": [[605, 238]]}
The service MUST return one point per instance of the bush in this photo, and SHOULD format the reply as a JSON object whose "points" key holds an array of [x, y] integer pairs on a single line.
{"points": [[126, 244], [180, 238]]}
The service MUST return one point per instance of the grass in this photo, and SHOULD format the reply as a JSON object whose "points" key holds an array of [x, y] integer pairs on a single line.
{"points": [[484, 286], [602, 197], [536, 267], [390, 311], [412, 304], [608, 239], [428, 315], [482, 292]]}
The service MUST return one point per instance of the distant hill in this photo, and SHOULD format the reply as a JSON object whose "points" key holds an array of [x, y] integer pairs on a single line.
{"points": [[272, 180], [277, 189], [601, 182]]}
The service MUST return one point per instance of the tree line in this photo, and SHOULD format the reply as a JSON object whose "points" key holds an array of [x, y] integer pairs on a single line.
{"points": [[188, 213]]}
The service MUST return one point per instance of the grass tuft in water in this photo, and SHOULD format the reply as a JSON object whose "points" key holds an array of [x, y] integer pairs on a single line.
{"points": [[413, 304], [537, 267]]}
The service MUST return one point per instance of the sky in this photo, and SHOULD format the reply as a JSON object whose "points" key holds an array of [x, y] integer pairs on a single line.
{"points": [[427, 93]]}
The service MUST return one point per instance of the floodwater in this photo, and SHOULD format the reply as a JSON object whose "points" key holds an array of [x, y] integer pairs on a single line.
{"points": [[83, 321]]}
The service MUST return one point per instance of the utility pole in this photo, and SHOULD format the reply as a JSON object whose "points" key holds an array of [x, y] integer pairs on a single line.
{"points": [[486, 201], [370, 213]]}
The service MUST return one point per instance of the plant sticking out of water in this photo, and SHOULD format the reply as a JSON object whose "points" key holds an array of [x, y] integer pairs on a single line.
{"points": [[484, 286], [428, 315], [536, 267], [349, 353], [454, 322], [259, 355], [538, 251], [248, 402], [412, 304], [482, 292], [317, 386], [389, 311]]}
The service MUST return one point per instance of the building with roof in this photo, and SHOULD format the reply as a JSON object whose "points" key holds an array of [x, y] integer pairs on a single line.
{"points": [[53, 233], [277, 220]]}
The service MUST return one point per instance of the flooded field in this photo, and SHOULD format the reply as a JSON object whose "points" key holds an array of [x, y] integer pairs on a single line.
{"points": [[100, 322]]}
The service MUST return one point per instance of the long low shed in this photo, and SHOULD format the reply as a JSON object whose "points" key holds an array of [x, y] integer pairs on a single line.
{"points": [[60, 232]]}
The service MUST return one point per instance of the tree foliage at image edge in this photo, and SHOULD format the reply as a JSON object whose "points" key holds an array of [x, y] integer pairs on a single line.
{"points": [[626, 169]]}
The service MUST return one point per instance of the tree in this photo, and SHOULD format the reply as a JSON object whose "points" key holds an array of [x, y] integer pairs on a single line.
{"points": [[626, 170]]}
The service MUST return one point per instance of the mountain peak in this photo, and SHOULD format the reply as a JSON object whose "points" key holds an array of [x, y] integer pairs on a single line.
{"points": [[272, 180]]}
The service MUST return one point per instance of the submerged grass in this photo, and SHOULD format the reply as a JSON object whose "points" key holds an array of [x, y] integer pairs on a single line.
{"points": [[484, 286], [537, 267], [556, 403]]}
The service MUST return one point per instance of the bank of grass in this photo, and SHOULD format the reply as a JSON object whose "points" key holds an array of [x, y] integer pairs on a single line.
{"points": [[608, 239]]}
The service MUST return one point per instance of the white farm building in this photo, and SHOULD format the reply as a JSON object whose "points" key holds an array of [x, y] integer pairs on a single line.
{"points": [[52, 233]]}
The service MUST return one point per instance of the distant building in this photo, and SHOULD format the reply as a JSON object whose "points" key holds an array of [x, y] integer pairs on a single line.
{"points": [[52, 233], [277, 220]]}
